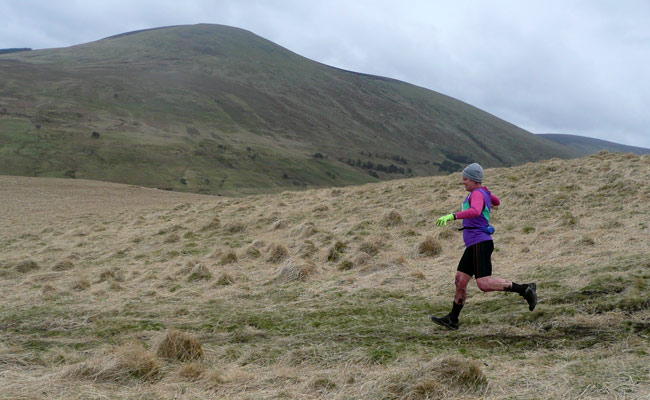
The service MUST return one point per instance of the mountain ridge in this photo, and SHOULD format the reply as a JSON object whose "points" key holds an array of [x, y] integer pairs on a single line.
{"points": [[215, 109], [586, 146]]}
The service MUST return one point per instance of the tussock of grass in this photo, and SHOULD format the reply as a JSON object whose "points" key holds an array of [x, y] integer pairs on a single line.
{"points": [[281, 224], [253, 252], [199, 272], [229, 258], [180, 346], [48, 291], [430, 247], [190, 371], [81, 283], [346, 265], [393, 218], [277, 253], [304, 230], [322, 384], [214, 223], [130, 361], [235, 227], [334, 253], [445, 234], [224, 279], [370, 248], [26, 266], [64, 265], [447, 377], [307, 249], [247, 334], [293, 271], [106, 275], [173, 238]]}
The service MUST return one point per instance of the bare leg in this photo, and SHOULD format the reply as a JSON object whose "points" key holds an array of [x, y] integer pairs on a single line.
{"points": [[462, 279], [451, 320], [492, 284]]}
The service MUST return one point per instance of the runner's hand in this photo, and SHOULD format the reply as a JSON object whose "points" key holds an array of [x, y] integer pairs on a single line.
{"points": [[442, 221]]}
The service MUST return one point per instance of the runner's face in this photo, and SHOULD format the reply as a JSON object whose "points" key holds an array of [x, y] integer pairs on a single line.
{"points": [[470, 184]]}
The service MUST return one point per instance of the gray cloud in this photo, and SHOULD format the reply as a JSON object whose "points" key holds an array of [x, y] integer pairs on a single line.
{"points": [[549, 66]]}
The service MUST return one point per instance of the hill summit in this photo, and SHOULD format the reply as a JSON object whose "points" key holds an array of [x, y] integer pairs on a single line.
{"points": [[216, 109]]}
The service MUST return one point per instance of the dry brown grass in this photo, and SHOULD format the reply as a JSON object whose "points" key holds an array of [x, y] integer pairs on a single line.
{"points": [[447, 377], [295, 271], [180, 346], [430, 247], [131, 361], [26, 266], [63, 266], [282, 319], [277, 253]]}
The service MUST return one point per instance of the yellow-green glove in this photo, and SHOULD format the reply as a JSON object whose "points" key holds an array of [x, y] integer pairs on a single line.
{"points": [[442, 221]]}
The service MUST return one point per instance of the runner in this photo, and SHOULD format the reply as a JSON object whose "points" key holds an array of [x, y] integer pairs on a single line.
{"points": [[476, 261]]}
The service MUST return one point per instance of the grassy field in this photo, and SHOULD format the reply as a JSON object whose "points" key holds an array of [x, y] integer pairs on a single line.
{"points": [[115, 291]]}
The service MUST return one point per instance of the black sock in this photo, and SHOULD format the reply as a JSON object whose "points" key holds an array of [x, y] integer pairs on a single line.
{"points": [[455, 311], [517, 288]]}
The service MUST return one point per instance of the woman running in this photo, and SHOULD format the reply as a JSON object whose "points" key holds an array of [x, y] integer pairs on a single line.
{"points": [[476, 261]]}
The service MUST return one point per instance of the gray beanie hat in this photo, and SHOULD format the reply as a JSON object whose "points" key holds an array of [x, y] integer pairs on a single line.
{"points": [[474, 172]]}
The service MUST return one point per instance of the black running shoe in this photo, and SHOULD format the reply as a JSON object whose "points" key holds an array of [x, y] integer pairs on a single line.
{"points": [[445, 321], [531, 295]]}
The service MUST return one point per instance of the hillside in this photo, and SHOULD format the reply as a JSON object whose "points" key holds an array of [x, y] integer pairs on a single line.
{"points": [[325, 293], [215, 109], [586, 146]]}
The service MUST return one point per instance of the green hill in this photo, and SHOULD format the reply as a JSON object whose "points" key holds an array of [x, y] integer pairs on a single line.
{"points": [[216, 109], [586, 146]]}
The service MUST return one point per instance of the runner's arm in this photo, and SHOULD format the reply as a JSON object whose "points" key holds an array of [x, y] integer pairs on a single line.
{"points": [[476, 200], [495, 200]]}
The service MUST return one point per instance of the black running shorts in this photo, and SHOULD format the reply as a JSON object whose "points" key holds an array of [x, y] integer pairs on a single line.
{"points": [[476, 260]]}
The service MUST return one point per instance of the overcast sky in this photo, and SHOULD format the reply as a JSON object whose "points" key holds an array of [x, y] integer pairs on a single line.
{"points": [[577, 67]]}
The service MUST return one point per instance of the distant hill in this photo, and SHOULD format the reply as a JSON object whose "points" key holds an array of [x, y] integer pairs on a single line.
{"points": [[587, 146], [14, 50], [216, 109]]}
